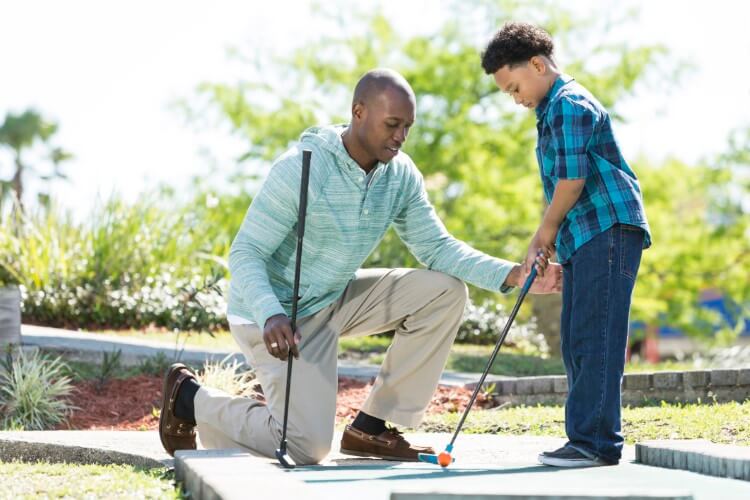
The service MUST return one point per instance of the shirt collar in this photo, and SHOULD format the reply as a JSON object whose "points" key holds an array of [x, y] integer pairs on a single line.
{"points": [[560, 82]]}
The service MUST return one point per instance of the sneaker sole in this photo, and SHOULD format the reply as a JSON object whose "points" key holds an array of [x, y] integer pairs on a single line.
{"points": [[562, 462]]}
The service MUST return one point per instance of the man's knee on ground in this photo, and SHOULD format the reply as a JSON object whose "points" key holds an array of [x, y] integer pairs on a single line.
{"points": [[311, 448]]}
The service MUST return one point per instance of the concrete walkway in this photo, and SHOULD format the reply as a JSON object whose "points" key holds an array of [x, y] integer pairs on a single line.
{"points": [[84, 346], [487, 466]]}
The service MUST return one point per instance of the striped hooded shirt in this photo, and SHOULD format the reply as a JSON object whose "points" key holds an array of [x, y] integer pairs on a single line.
{"points": [[348, 214]]}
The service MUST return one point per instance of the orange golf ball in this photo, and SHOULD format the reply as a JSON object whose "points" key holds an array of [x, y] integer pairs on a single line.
{"points": [[444, 459]]}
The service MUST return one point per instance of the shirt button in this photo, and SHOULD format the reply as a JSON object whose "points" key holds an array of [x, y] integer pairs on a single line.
{"points": [[360, 180], [365, 211]]}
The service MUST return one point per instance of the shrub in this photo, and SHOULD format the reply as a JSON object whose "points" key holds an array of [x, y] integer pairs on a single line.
{"points": [[229, 377], [33, 391], [483, 325]]}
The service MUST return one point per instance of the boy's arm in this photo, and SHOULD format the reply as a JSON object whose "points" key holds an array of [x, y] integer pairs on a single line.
{"points": [[566, 194], [572, 126]]}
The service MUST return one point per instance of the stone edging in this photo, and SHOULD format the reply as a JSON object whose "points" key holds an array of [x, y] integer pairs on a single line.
{"points": [[684, 387], [703, 457]]}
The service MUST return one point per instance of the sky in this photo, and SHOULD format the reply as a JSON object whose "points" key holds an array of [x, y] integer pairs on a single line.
{"points": [[111, 73]]}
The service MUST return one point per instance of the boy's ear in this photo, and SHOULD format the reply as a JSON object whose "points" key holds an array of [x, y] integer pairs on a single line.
{"points": [[539, 64]]}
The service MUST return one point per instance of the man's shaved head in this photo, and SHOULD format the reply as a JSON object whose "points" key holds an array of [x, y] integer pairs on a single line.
{"points": [[383, 111], [377, 81]]}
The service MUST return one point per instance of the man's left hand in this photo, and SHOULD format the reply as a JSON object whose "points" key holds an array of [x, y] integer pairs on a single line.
{"points": [[551, 282]]}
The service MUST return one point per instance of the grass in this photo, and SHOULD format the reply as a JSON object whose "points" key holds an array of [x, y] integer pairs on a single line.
{"points": [[727, 423], [23, 480]]}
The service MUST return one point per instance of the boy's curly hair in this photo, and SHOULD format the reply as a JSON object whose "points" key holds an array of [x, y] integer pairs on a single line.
{"points": [[515, 44]]}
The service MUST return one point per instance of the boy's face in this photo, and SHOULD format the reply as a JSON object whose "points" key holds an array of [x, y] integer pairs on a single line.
{"points": [[527, 83]]}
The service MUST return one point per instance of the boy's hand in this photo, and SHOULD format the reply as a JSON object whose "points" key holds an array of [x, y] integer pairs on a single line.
{"points": [[542, 246]]}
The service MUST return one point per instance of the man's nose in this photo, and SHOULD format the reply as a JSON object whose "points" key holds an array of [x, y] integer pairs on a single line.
{"points": [[401, 134]]}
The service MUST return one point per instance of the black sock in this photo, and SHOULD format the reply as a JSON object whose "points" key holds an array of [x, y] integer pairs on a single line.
{"points": [[184, 407], [368, 424]]}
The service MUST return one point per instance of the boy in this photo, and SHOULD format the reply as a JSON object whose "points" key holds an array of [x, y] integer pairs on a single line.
{"points": [[595, 223]]}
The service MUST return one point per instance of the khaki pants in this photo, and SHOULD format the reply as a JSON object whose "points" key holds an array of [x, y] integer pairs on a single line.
{"points": [[423, 307]]}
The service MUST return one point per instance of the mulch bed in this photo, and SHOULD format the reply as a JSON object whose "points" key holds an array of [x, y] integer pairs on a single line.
{"points": [[129, 404]]}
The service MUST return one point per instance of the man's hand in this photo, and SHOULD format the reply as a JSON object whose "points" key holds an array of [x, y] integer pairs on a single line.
{"points": [[278, 337], [551, 282]]}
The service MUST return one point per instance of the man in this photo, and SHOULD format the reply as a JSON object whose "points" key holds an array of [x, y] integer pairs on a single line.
{"points": [[360, 185]]}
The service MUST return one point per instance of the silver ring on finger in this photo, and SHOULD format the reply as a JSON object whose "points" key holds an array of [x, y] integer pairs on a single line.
{"points": [[274, 345]]}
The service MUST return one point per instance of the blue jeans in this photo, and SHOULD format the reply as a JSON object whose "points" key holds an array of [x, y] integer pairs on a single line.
{"points": [[598, 284]]}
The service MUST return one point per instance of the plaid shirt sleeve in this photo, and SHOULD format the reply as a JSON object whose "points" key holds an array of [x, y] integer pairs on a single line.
{"points": [[572, 126]]}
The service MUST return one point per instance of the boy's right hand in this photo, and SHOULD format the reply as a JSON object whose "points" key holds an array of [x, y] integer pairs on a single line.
{"points": [[536, 255], [279, 339]]}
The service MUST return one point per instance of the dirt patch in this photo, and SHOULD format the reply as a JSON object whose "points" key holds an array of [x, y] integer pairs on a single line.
{"points": [[132, 404]]}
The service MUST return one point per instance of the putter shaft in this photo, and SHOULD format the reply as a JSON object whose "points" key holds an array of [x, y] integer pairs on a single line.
{"points": [[281, 453], [499, 343]]}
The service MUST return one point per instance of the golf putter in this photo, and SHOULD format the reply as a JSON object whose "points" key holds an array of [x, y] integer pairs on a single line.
{"points": [[281, 454], [445, 458]]}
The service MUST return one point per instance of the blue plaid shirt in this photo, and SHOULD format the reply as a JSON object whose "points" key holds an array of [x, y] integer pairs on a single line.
{"points": [[576, 142]]}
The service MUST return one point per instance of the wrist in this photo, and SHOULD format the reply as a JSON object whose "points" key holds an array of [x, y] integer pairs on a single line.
{"points": [[274, 318], [550, 224], [514, 276]]}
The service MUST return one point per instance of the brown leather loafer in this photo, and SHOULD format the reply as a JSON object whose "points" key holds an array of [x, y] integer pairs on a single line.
{"points": [[388, 445], [174, 432]]}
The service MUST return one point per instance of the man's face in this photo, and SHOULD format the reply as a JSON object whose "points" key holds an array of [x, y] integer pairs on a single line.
{"points": [[527, 83], [383, 123]]}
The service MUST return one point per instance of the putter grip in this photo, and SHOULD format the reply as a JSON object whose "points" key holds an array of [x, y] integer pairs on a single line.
{"points": [[529, 281], [302, 215], [306, 155]]}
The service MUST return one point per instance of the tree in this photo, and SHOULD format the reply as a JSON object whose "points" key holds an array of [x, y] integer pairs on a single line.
{"points": [[475, 149], [20, 133]]}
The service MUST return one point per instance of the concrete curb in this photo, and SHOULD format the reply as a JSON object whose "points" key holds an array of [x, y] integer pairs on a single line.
{"points": [[582, 495], [698, 455], [55, 453], [233, 474], [34, 446], [88, 347]]}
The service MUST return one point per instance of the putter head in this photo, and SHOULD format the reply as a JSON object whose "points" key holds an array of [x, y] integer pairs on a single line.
{"points": [[443, 460], [428, 457], [284, 459]]}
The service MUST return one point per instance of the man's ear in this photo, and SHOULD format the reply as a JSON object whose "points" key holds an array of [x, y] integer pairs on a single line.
{"points": [[358, 111]]}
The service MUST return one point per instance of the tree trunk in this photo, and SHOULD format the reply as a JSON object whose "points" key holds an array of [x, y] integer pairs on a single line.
{"points": [[10, 316], [547, 309], [18, 182]]}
